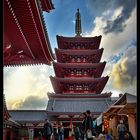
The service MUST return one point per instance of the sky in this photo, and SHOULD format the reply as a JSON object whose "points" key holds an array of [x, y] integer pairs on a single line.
{"points": [[26, 87]]}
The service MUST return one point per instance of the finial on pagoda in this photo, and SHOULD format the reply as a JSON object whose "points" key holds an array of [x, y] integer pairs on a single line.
{"points": [[78, 29]]}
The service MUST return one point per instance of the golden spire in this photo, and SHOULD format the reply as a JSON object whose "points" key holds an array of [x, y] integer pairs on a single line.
{"points": [[78, 29]]}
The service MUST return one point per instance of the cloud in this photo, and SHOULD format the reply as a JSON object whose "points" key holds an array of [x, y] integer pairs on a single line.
{"points": [[124, 73], [30, 102], [112, 43], [21, 82], [98, 7], [115, 24]]}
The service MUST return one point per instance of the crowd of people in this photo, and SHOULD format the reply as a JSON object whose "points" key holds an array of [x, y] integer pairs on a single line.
{"points": [[83, 132]]}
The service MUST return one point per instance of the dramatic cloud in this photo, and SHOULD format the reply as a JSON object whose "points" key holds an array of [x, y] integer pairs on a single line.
{"points": [[23, 82], [116, 25], [124, 73], [114, 44]]}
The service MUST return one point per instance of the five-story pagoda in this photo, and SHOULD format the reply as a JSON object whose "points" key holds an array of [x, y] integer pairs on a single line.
{"points": [[78, 83]]}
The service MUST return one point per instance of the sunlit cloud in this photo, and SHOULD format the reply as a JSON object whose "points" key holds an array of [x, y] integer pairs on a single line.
{"points": [[30, 102], [27, 81]]}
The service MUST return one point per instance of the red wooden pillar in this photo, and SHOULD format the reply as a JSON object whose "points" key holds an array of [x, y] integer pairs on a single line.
{"points": [[71, 125], [4, 133], [11, 135], [71, 128]]}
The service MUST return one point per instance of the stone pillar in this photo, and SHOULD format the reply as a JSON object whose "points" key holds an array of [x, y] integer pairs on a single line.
{"points": [[132, 124]]}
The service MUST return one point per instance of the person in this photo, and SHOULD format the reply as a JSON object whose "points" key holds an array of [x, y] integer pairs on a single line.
{"points": [[121, 128], [47, 130], [88, 125], [40, 135], [83, 125], [128, 136], [77, 133], [108, 135], [55, 131], [31, 133], [61, 131]]}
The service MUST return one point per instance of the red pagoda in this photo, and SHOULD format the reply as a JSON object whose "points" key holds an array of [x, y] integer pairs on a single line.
{"points": [[78, 83]]}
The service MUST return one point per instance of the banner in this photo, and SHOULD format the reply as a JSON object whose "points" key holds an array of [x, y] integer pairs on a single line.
{"points": [[99, 120]]}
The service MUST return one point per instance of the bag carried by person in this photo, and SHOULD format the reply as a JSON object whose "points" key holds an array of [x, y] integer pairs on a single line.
{"points": [[89, 133]]}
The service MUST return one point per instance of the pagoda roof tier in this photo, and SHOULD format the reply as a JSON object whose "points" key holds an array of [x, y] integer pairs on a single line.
{"points": [[47, 5], [73, 69], [64, 96], [78, 106], [65, 56], [78, 42], [79, 85], [26, 39]]}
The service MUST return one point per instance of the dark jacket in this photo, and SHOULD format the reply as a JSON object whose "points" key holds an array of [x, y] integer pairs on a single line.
{"points": [[48, 129], [87, 124]]}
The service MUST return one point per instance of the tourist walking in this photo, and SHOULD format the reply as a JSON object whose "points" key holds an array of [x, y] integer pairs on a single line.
{"points": [[31, 133], [56, 132], [128, 136], [88, 125], [39, 135], [121, 128], [77, 133], [47, 130], [61, 131], [83, 126], [108, 135]]}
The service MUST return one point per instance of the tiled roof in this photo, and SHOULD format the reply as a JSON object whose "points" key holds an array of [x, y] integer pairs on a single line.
{"points": [[11, 122], [78, 105], [28, 115], [131, 98]]}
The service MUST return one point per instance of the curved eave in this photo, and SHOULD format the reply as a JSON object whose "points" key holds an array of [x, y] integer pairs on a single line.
{"points": [[24, 63], [64, 96], [69, 113], [44, 29], [58, 83], [28, 28], [47, 5], [98, 53], [12, 123], [75, 39], [99, 67], [93, 40]]}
